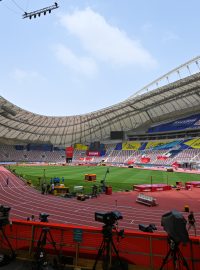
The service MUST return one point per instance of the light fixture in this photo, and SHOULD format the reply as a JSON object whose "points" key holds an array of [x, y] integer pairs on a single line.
{"points": [[38, 12]]}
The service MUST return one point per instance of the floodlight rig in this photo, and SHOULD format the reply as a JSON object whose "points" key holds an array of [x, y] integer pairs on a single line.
{"points": [[38, 12]]}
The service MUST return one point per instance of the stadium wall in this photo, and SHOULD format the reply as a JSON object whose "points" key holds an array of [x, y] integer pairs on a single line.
{"points": [[137, 248]]}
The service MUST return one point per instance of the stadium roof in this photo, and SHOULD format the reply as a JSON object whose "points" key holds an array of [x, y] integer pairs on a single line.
{"points": [[173, 100]]}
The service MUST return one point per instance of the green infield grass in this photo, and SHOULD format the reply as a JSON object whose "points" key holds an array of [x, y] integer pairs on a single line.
{"points": [[117, 178]]}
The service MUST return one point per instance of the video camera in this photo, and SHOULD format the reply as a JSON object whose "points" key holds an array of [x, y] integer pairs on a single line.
{"points": [[43, 217], [4, 215], [150, 228], [175, 225], [109, 218]]}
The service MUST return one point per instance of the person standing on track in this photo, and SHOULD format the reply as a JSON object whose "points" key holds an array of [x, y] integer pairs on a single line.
{"points": [[52, 188], [43, 188], [32, 218], [7, 181], [191, 222]]}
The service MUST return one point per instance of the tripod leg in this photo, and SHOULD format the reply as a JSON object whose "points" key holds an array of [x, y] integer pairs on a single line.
{"points": [[175, 260], [107, 262], [181, 258], [52, 241], [41, 239], [165, 259], [100, 252], [40, 253], [117, 254], [8, 243], [58, 260]]}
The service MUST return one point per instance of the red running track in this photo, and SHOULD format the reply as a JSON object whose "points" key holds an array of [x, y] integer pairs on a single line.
{"points": [[25, 201]]}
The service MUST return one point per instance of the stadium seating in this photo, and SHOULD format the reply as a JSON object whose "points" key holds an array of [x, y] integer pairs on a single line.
{"points": [[8, 153], [180, 124], [158, 153]]}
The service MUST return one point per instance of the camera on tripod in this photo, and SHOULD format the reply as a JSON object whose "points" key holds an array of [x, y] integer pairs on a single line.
{"points": [[174, 224], [4, 215], [4, 220], [43, 217], [107, 246], [109, 218]]}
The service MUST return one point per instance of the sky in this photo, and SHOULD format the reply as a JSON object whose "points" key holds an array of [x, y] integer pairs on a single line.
{"points": [[88, 55]]}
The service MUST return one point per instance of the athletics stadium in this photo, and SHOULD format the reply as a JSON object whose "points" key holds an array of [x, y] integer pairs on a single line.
{"points": [[128, 165]]}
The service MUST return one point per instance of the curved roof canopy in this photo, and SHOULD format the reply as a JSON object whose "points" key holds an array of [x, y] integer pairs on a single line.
{"points": [[176, 99]]}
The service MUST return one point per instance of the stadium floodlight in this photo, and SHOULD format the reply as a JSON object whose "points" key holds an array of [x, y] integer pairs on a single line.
{"points": [[40, 11]]}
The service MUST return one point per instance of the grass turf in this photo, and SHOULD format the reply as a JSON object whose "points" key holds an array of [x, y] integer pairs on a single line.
{"points": [[118, 178]]}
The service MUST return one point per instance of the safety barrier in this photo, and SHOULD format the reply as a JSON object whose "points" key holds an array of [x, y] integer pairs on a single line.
{"points": [[137, 248]]}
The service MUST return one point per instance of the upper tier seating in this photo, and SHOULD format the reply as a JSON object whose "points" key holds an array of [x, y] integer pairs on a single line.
{"points": [[181, 124]]}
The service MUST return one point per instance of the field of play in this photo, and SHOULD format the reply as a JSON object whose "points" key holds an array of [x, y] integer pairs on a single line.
{"points": [[73, 211], [118, 178]]}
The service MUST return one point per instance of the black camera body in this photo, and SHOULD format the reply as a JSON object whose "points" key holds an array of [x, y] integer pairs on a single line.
{"points": [[108, 218], [43, 217], [4, 215], [150, 228], [175, 225]]}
